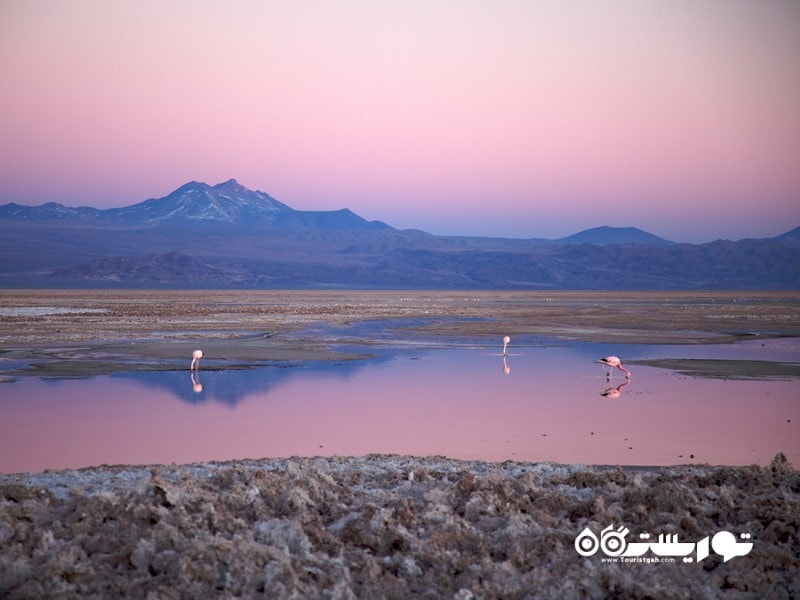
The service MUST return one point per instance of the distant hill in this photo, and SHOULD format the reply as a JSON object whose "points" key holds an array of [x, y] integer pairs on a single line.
{"points": [[227, 236], [52, 211], [604, 236], [791, 238]]}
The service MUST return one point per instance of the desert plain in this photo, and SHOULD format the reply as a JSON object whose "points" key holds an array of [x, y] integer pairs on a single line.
{"points": [[381, 526]]}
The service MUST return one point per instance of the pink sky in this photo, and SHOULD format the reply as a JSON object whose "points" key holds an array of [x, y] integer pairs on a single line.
{"points": [[517, 118]]}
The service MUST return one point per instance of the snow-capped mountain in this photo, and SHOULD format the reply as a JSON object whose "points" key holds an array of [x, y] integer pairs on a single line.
{"points": [[228, 202], [196, 203]]}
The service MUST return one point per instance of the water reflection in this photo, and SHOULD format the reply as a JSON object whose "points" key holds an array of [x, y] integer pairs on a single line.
{"points": [[197, 387], [614, 392], [229, 387], [452, 402], [232, 386]]}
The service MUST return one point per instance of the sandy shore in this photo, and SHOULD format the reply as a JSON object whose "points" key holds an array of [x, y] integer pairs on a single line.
{"points": [[368, 528]]}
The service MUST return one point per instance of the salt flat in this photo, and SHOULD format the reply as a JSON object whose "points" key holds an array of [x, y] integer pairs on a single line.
{"points": [[248, 326]]}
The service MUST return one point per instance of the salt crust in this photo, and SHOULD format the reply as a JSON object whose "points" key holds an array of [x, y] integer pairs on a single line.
{"points": [[363, 527]]}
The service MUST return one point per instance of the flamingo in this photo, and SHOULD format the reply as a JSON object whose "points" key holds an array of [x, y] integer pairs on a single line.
{"points": [[611, 362], [506, 340], [196, 356]]}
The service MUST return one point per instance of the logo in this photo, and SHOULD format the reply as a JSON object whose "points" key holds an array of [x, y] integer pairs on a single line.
{"points": [[667, 548]]}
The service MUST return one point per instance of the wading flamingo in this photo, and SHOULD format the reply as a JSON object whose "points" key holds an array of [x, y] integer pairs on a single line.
{"points": [[506, 340], [611, 362], [196, 356]]}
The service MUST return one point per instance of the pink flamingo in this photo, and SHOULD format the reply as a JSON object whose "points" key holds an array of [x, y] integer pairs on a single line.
{"points": [[611, 362], [196, 356], [506, 340]]}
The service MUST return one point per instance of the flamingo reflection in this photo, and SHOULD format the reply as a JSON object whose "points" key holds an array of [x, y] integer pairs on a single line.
{"points": [[615, 392], [506, 368], [197, 387]]}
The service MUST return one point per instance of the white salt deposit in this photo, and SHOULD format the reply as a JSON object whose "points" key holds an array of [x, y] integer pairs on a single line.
{"points": [[39, 311]]}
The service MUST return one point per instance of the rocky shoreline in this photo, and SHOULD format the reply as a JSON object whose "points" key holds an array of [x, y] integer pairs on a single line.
{"points": [[392, 527]]}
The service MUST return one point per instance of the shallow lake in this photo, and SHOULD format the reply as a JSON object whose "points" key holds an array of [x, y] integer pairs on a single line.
{"points": [[546, 401]]}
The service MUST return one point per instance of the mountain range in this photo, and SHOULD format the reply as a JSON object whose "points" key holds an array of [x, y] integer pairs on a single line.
{"points": [[227, 236]]}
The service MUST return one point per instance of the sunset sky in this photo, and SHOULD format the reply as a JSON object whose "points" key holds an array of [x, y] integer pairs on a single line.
{"points": [[516, 118]]}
